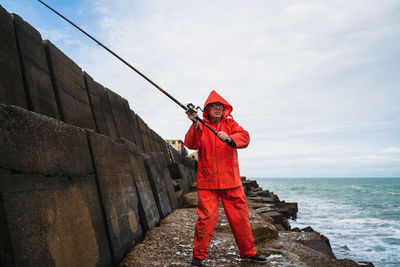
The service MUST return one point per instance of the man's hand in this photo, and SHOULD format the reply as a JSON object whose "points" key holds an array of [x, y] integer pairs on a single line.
{"points": [[224, 137], [192, 116]]}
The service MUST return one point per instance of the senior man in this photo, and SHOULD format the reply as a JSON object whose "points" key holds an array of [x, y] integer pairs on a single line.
{"points": [[218, 177]]}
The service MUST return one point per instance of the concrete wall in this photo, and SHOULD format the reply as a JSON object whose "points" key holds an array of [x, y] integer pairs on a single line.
{"points": [[82, 176]]}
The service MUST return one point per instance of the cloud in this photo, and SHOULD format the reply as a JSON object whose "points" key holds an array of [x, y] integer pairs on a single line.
{"points": [[315, 83], [392, 150]]}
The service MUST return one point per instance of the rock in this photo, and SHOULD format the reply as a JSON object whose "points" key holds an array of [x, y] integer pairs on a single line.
{"points": [[267, 218], [284, 211], [292, 205], [276, 216], [307, 229], [264, 209], [257, 189], [190, 200], [365, 264], [279, 227], [326, 240], [320, 245], [246, 185], [251, 194], [260, 205], [264, 233], [254, 183], [289, 210], [286, 224], [263, 193], [275, 197], [261, 199]]}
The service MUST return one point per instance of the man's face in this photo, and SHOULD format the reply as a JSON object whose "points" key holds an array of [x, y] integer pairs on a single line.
{"points": [[214, 110]]}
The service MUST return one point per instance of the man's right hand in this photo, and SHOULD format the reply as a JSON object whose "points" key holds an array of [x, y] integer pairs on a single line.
{"points": [[192, 116]]}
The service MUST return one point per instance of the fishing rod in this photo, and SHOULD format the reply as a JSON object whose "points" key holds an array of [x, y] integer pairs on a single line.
{"points": [[189, 107]]}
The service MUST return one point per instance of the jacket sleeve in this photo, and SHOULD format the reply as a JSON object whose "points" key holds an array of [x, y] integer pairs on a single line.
{"points": [[239, 135], [193, 137]]}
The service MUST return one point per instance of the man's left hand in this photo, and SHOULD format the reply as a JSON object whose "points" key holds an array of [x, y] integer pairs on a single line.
{"points": [[223, 136]]}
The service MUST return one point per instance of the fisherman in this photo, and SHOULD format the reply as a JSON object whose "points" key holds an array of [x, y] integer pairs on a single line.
{"points": [[218, 177]]}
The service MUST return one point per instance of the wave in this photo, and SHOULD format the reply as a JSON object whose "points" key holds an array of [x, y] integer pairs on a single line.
{"points": [[361, 217]]}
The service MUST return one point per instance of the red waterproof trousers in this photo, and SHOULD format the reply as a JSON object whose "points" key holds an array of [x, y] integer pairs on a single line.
{"points": [[237, 212]]}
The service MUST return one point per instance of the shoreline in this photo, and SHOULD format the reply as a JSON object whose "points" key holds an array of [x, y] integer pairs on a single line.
{"points": [[170, 244]]}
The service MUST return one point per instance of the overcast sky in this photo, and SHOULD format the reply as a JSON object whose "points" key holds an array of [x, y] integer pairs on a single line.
{"points": [[316, 83]]}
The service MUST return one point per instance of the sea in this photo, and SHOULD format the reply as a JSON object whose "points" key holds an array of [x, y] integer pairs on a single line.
{"points": [[360, 216]]}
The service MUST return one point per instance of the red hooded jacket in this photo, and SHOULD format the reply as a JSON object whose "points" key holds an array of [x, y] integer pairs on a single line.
{"points": [[218, 166]]}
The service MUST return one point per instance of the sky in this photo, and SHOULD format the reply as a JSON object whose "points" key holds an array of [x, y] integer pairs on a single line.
{"points": [[316, 83]]}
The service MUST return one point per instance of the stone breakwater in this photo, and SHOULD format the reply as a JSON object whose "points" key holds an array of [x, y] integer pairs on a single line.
{"points": [[170, 244], [82, 176]]}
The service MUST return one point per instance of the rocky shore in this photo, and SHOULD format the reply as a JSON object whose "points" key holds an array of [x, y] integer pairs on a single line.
{"points": [[170, 244]]}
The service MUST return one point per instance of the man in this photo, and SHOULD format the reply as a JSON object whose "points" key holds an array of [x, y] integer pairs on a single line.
{"points": [[218, 177]]}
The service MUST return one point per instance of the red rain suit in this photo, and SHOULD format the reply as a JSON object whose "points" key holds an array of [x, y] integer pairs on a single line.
{"points": [[218, 176]]}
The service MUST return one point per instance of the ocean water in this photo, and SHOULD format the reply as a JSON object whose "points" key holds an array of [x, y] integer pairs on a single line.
{"points": [[360, 216]]}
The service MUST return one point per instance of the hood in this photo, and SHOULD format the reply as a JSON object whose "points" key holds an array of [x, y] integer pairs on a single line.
{"points": [[215, 97]]}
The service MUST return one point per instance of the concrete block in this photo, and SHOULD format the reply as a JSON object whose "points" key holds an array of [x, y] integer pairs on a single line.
{"points": [[101, 107], [151, 139], [156, 138], [163, 148], [175, 155], [6, 252], [32, 143], [35, 69], [50, 211], [188, 162], [135, 130], [53, 221], [180, 197], [177, 171], [143, 132], [155, 170], [12, 90], [151, 217], [121, 115], [170, 188], [71, 93], [191, 174], [169, 153], [118, 192]]}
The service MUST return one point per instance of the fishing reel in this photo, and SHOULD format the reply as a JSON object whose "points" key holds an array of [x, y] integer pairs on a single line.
{"points": [[192, 108]]}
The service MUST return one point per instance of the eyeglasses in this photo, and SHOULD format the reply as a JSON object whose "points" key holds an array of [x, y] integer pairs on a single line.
{"points": [[216, 105]]}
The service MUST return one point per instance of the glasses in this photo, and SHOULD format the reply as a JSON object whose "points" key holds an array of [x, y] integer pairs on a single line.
{"points": [[216, 105]]}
